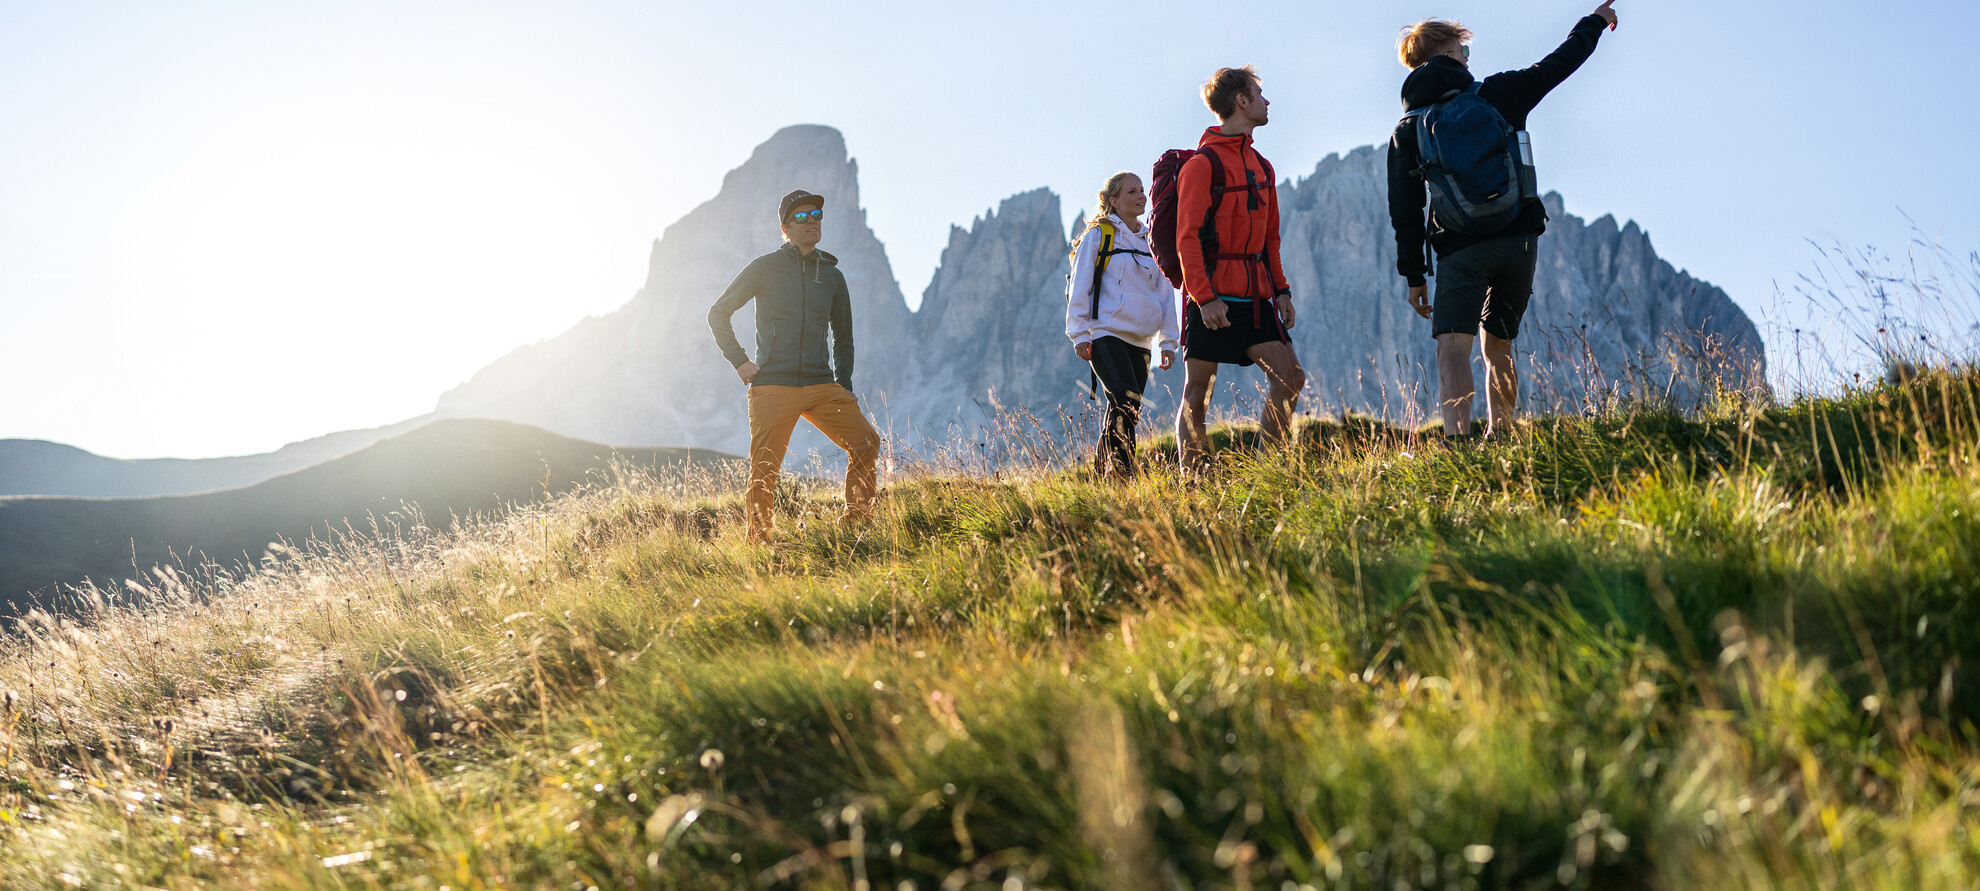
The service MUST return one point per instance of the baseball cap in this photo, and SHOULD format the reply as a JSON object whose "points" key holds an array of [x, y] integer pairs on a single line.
{"points": [[796, 199]]}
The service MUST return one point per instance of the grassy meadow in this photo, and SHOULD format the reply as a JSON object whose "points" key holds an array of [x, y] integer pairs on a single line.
{"points": [[1633, 650]]}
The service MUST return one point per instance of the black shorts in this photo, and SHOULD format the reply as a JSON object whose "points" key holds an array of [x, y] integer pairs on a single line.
{"points": [[1230, 346], [1487, 284]]}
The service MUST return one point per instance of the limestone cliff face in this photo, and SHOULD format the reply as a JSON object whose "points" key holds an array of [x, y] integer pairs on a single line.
{"points": [[991, 326], [649, 372], [1607, 316]]}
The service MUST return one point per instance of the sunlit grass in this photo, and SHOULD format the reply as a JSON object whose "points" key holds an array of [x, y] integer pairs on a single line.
{"points": [[1638, 649]]}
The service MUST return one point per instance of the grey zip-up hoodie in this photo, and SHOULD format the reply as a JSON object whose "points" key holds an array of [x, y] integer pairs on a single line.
{"points": [[799, 300]]}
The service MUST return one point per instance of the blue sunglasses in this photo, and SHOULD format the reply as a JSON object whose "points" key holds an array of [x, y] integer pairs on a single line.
{"points": [[808, 216]]}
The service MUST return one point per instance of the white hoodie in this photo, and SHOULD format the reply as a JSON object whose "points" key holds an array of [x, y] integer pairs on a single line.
{"points": [[1136, 302]]}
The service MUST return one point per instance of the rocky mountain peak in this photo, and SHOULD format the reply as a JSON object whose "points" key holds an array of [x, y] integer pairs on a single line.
{"points": [[1608, 316]]}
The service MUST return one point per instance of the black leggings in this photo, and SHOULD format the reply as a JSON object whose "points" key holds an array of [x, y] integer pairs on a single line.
{"points": [[1123, 372]]}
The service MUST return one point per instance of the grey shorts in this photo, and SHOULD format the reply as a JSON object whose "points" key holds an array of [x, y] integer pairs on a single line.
{"points": [[1487, 284]]}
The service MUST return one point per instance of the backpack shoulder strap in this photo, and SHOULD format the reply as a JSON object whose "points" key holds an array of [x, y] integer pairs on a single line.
{"points": [[1100, 261], [1106, 252], [1216, 177], [1271, 182], [1426, 143], [1207, 234]]}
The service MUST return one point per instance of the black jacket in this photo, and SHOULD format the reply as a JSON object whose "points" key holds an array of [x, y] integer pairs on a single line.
{"points": [[1514, 94], [799, 300]]}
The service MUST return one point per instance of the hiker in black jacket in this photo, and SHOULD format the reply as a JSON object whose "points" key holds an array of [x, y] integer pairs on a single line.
{"points": [[1483, 279]]}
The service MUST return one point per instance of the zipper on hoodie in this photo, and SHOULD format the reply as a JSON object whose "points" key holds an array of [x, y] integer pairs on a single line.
{"points": [[804, 313]]}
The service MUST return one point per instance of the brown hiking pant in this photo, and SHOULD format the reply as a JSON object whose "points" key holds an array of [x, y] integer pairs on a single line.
{"points": [[774, 412]]}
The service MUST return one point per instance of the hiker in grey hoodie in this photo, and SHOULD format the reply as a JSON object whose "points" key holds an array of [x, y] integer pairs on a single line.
{"points": [[801, 298], [1117, 307]]}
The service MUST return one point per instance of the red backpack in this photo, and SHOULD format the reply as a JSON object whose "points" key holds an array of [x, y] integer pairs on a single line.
{"points": [[1162, 223]]}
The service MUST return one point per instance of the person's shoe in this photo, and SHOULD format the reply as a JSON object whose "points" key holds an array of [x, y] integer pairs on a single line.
{"points": [[1117, 475], [855, 519]]}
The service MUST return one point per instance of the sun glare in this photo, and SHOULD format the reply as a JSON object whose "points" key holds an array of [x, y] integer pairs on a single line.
{"points": [[391, 254]]}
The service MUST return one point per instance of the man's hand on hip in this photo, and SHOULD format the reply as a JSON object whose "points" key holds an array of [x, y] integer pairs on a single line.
{"points": [[1419, 299], [747, 371], [1216, 315]]}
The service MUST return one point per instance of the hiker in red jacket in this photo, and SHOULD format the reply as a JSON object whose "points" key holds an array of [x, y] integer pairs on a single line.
{"points": [[1237, 308]]}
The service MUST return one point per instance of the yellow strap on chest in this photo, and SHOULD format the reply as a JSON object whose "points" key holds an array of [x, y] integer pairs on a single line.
{"points": [[1106, 247]]}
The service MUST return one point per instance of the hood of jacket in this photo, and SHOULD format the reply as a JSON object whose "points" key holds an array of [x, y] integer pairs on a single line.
{"points": [[1432, 80], [818, 255]]}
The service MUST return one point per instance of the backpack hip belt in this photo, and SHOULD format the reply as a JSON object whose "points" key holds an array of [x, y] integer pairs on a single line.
{"points": [[1251, 271]]}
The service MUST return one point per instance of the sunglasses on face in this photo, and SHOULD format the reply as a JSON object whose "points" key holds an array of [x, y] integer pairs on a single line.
{"points": [[808, 216], [1466, 50]]}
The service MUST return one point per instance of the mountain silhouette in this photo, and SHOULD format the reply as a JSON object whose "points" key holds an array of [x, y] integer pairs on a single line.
{"points": [[446, 468], [39, 467]]}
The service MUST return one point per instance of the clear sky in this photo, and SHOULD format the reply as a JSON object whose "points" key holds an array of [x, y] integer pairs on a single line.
{"points": [[229, 225]]}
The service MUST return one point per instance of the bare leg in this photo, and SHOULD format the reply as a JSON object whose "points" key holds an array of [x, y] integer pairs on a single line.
{"points": [[1455, 389], [1501, 386], [1284, 380], [1192, 439]]}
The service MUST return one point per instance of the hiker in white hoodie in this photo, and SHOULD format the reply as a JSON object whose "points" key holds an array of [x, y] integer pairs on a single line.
{"points": [[1118, 306]]}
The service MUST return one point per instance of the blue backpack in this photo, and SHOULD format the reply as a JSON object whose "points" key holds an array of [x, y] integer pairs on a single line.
{"points": [[1479, 170]]}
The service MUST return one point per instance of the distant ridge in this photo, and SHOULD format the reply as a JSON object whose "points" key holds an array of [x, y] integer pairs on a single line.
{"points": [[447, 467], [38, 467]]}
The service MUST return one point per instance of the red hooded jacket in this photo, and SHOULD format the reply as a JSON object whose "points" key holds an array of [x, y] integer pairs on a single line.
{"points": [[1239, 227]]}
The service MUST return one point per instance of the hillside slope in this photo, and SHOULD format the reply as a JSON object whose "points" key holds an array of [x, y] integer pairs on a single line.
{"points": [[1629, 651], [445, 468]]}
